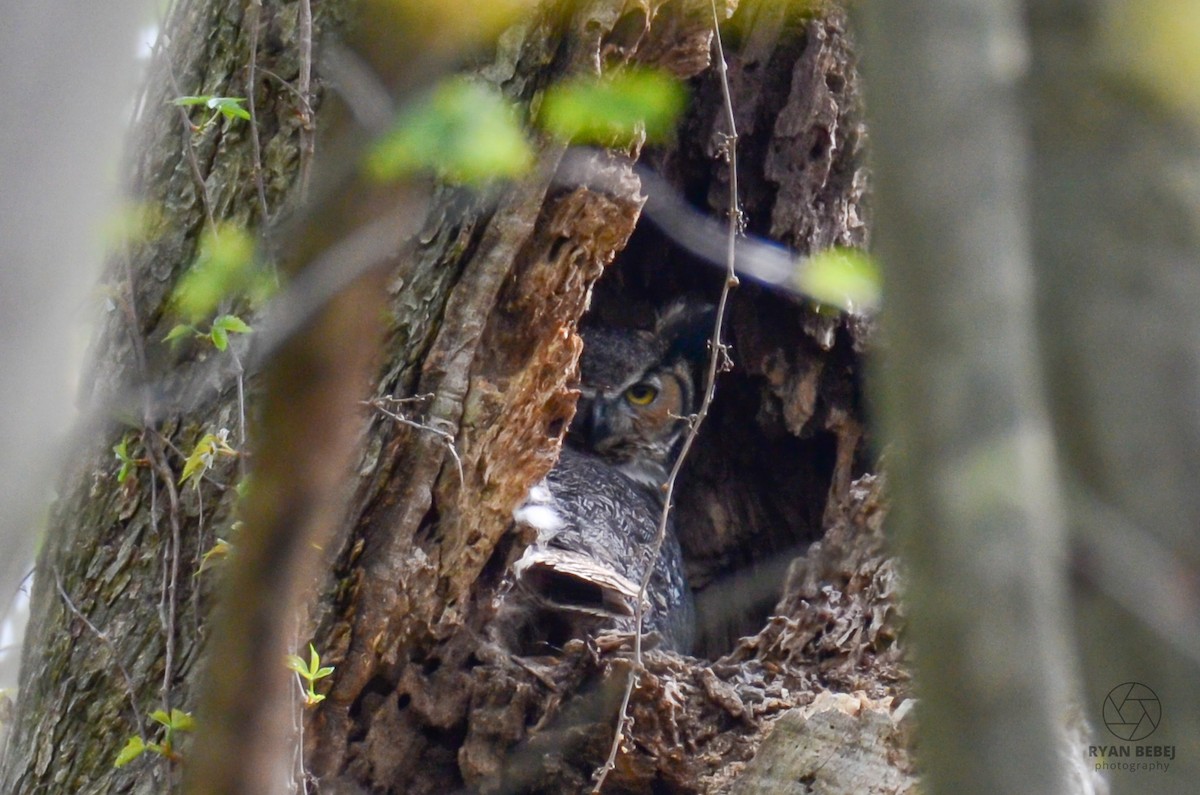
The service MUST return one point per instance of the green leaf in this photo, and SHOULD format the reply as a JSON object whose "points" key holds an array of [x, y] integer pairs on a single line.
{"points": [[134, 747], [232, 324], [296, 663], [841, 277], [230, 107], [181, 330], [219, 337], [204, 454], [224, 266], [182, 721], [121, 450], [219, 551], [323, 672], [160, 716], [613, 109], [192, 100], [463, 131], [314, 660]]}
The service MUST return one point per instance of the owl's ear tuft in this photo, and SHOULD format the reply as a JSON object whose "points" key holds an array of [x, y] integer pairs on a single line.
{"points": [[685, 326]]}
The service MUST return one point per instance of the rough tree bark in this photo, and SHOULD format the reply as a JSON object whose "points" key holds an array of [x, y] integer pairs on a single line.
{"points": [[483, 308], [118, 606]]}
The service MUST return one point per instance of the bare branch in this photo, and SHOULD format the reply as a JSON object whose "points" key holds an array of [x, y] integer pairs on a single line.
{"points": [[156, 454], [717, 359], [446, 437], [169, 605], [112, 652], [189, 148], [307, 140], [255, 14]]}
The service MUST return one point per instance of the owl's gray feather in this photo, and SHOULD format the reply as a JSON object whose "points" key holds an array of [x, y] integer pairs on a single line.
{"points": [[596, 515]]}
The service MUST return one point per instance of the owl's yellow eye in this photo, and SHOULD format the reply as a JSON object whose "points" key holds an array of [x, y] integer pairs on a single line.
{"points": [[641, 394]]}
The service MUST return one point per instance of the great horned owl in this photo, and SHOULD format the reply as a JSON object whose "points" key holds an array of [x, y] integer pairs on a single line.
{"points": [[597, 513]]}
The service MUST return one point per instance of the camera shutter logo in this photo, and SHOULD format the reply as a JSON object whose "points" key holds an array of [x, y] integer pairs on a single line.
{"points": [[1132, 711]]}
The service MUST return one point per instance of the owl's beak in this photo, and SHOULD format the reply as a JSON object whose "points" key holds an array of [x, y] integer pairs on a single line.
{"points": [[589, 425]]}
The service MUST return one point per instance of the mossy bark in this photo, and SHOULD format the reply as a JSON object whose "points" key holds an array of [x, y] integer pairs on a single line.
{"points": [[127, 556]]}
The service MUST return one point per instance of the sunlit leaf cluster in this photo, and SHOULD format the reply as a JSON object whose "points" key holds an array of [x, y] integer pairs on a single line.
{"points": [[841, 277], [613, 110], [311, 672], [467, 132], [463, 130], [224, 267], [173, 722], [218, 332], [205, 454]]}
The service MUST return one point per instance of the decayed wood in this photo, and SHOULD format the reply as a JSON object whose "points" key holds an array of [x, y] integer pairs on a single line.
{"points": [[838, 745], [417, 678], [698, 725], [408, 601]]}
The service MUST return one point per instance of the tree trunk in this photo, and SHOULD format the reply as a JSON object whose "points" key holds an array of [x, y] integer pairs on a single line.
{"points": [[980, 519], [1117, 239], [118, 606], [482, 308]]}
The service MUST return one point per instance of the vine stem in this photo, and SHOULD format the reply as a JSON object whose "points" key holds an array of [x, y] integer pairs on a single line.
{"points": [[106, 641], [190, 149], [159, 468], [718, 359], [251, 106], [305, 89]]}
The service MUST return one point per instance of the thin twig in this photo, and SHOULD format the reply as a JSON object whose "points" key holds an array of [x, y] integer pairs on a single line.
{"points": [[299, 773], [446, 438], [241, 398], [112, 651], [291, 88], [170, 595], [200, 547], [9, 599], [156, 454], [156, 52], [251, 85], [190, 149], [717, 360], [305, 89]]}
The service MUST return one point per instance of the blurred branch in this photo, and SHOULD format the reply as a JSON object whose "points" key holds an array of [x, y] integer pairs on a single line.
{"points": [[701, 235], [977, 505], [1137, 571]]}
